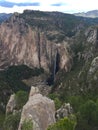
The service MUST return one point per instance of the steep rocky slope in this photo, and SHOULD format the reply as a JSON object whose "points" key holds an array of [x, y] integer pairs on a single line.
{"points": [[85, 52], [64, 46], [39, 39], [22, 44]]}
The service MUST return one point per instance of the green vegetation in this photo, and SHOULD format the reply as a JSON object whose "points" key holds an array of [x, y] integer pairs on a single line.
{"points": [[51, 22], [14, 75], [11, 82], [75, 87], [68, 123], [57, 102], [2, 117], [11, 122], [27, 125], [88, 116], [78, 87], [21, 98]]}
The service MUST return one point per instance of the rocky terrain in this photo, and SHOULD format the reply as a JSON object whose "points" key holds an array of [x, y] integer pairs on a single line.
{"points": [[4, 17], [20, 44], [89, 14], [57, 53], [39, 109]]}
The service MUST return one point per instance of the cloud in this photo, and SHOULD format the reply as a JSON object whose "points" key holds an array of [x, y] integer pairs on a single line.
{"points": [[22, 1], [11, 4], [67, 6], [58, 4]]}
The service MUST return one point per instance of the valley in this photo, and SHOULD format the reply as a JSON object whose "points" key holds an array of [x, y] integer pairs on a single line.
{"points": [[57, 54]]}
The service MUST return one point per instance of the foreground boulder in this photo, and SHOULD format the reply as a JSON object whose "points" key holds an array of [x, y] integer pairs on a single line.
{"points": [[39, 109]]}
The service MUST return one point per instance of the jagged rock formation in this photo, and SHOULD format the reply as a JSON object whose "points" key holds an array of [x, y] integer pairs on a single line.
{"points": [[34, 90], [92, 75], [22, 44], [39, 109], [11, 104], [64, 111], [85, 53], [94, 66], [38, 41], [40, 82]]}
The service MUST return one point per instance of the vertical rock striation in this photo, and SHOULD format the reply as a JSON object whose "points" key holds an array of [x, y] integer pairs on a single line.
{"points": [[20, 43]]}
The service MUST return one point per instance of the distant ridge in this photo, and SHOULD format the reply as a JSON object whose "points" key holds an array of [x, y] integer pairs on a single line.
{"points": [[90, 14], [4, 16]]}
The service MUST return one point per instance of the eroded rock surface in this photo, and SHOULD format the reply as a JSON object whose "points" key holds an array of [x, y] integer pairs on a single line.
{"points": [[64, 111], [11, 104], [22, 44], [39, 109]]}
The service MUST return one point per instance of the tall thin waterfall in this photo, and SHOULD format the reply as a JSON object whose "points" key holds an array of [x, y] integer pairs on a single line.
{"points": [[54, 67]]}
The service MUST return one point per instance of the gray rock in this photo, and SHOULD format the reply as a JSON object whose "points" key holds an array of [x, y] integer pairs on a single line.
{"points": [[94, 66], [64, 111], [24, 45], [39, 109], [92, 76], [11, 104], [34, 90]]}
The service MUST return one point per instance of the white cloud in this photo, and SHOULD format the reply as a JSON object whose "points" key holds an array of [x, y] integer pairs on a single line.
{"points": [[20, 9], [22, 1], [45, 5]]}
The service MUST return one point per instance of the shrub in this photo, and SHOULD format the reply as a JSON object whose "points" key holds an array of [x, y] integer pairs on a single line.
{"points": [[27, 125], [87, 116], [56, 99], [12, 122], [21, 98], [58, 103], [88, 112], [2, 117], [64, 124]]}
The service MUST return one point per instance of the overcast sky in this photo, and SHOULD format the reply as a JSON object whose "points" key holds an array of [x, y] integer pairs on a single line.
{"points": [[67, 6]]}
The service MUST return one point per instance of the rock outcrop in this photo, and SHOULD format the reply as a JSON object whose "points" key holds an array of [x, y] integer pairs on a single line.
{"points": [[11, 104], [92, 75], [39, 109], [94, 66], [40, 83], [22, 44], [64, 111]]}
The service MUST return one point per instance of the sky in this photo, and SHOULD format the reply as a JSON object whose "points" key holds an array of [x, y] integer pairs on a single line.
{"points": [[66, 6]]}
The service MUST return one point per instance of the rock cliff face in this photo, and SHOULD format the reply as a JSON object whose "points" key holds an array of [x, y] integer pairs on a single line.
{"points": [[22, 44], [39, 109]]}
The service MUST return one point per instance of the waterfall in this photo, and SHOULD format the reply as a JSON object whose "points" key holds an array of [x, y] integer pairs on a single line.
{"points": [[54, 67]]}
